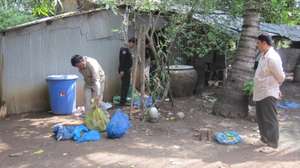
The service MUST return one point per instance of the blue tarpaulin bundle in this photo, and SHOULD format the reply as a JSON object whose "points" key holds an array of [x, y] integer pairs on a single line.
{"points": [[62, 132], [288, 105], [228, 137], [79, 133], [118, 125]]}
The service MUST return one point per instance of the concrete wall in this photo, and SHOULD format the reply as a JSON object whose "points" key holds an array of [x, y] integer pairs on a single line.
{"points": [[32, 53], [289, 57]]}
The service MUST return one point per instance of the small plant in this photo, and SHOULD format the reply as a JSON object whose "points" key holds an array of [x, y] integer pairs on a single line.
{"points": [[248, 87], [44, 8]]}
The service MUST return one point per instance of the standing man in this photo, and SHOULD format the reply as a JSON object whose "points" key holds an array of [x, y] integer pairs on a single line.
{"points": [[268, 78], [125, 64], [94, 78]]}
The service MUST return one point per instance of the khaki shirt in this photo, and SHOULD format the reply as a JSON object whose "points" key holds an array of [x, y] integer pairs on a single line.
{"points": [[268, 76], [93, 72]]}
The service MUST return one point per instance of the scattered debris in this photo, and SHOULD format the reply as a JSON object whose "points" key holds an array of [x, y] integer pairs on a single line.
{"points": [[3, 110], [153, 115], [148, 132], [16, 154], [172, 118], [180, 115], [266, 149], [105, 106], [205, 134], [38, 152], [176, 147]]}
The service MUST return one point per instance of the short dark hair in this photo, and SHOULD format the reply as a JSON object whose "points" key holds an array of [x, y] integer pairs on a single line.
{"points": [[76, 59], [266, 38], [132, 40]]}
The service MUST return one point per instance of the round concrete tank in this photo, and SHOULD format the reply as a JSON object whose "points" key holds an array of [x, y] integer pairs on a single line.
{"points": [[183, 80]]}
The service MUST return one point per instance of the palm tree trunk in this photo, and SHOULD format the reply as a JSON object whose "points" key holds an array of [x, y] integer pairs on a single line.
{"points": [[232, 102]]}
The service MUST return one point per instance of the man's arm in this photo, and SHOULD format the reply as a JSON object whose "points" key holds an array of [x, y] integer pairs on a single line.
{"points": [[122, 60], [277, 70]]}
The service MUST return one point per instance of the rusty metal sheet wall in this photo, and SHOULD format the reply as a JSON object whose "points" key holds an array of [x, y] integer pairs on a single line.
{"points": [[32, 53]]}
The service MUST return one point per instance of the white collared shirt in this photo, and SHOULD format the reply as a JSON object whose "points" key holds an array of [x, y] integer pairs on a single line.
{"points": [[268, 76]]}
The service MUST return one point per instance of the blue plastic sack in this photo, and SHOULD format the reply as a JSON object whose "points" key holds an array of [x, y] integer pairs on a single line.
{"points": [[288, 105], [92, 135], [228, 137], [62, 132], [79, 133], [118, 125]]}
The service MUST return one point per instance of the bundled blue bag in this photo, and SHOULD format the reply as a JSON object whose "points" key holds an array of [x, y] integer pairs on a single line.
{"points": [[79, 133], [288, 105], [62, 132], [92, 135], [118, 125], [228, 137]]}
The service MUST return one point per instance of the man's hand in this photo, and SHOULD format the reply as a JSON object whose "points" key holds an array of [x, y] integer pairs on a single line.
{"points": [[97, 101]]}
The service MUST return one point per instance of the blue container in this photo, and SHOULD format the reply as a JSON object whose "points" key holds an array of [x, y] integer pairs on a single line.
{"points": [[62, 91]]}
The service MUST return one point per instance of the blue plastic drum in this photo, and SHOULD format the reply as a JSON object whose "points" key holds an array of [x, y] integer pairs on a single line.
{"points": [[62, 92]]}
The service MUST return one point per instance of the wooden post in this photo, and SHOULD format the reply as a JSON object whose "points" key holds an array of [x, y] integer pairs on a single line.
{"points": [[140, 55], [142, 67], [133, 80]]}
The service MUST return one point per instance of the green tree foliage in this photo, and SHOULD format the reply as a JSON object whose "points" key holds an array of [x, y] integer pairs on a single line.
{"points": [[44, 8], [12, 17], [14, 12], [281, 12], [272, 11], [199, 40]]}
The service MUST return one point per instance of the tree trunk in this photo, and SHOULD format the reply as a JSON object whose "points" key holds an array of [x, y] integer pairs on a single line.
{"points": [[231, 101]]}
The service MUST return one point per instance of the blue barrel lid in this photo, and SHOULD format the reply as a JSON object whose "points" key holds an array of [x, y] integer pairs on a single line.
{"points": [[62, 77]]}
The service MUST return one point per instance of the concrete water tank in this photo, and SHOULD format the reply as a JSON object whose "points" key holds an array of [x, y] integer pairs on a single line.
{"points": [[183, 80]]}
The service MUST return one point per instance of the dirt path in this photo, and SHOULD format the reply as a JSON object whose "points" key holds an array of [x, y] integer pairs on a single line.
{"points": [[25, 141]]}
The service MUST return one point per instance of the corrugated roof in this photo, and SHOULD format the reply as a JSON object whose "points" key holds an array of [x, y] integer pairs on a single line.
{"points": [[234, 25], [231, 24]]}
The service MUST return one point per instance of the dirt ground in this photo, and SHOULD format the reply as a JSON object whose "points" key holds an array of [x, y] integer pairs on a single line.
{"points": [[26, 141]]}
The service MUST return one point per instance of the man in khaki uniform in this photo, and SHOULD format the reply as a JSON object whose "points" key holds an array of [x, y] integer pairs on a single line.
{"points": [[94, 78]]}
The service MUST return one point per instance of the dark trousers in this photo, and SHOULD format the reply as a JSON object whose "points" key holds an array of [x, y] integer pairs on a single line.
{"points": [[266, 115], [125, 87]]}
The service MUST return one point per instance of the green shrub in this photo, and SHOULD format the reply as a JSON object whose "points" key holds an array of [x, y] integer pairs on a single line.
{"points": [[13, 17], [248, 87]]}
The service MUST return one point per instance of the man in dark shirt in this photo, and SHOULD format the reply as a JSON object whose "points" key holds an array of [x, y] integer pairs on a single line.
{"points": [[125, 64]]}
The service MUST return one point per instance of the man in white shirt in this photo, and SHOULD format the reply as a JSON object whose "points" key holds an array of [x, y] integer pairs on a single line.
{"points": [[268, 78], [94, 78]]}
